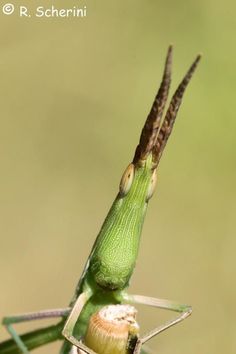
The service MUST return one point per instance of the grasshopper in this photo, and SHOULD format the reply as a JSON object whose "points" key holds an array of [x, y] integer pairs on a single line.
{"points": [[107, 272]]}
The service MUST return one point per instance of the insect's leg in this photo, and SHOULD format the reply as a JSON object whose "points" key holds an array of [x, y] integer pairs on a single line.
{"points": [[10, 320], [71, 321], [184, 312]]}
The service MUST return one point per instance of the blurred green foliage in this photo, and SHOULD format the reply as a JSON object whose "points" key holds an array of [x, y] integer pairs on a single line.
{"points": [[74, 94]]}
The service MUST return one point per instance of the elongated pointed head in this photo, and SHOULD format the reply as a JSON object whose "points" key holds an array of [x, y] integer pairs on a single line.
{"points": [[156, 130], [116, 248]]}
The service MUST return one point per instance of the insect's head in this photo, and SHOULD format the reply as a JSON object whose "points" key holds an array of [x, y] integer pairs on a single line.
{"points": [[156, 131]]}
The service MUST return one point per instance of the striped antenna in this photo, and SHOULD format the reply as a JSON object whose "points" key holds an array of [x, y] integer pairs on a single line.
{"points": [[168, 122], [151, 127]]}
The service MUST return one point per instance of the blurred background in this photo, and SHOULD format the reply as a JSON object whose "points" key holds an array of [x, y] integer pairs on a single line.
{"points": [[74, 94]]}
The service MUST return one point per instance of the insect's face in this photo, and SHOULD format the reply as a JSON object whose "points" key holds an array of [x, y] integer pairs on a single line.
{"points": [[139, 181]]}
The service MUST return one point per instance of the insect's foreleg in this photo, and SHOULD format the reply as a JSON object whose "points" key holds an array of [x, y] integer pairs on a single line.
{"points": [[31, 316], [184, 311], [71, 322]]}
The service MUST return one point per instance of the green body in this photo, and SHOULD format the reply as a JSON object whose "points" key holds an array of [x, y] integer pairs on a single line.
{"points": [[113, 257]]}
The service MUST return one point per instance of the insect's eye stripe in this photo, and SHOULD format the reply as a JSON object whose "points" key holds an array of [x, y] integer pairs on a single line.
{"points": [[152, 185], [126, 180]]}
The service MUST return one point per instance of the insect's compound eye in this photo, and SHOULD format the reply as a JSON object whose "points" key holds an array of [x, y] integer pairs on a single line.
{"points": [[152, 185], [126, 180]]}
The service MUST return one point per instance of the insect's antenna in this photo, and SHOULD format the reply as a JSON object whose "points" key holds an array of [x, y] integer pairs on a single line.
{"points": [[168, 122], [149, 133]]}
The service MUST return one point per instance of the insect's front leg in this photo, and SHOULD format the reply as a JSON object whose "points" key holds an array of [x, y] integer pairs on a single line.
{"points": [[71, 322], [183, 310]]}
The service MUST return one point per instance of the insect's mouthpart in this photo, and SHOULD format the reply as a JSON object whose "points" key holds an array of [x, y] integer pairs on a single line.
{"points": [[156, 130]]}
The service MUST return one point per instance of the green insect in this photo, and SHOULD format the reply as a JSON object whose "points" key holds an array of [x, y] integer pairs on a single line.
{"points": [[109, 267]]}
